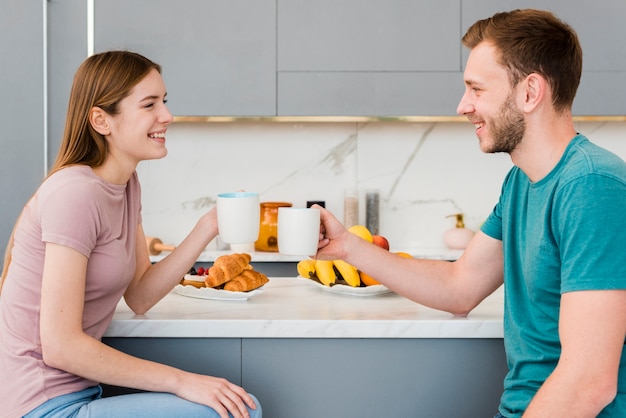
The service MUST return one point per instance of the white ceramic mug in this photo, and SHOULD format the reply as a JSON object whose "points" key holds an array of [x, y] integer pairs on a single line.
{"points": [[298, 231], [238, 217]]}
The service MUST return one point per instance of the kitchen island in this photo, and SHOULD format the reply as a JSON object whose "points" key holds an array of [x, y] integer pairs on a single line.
{"points": [[306, 352]]}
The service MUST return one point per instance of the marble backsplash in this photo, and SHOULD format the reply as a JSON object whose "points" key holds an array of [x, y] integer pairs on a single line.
{"points": [[422, 171]]}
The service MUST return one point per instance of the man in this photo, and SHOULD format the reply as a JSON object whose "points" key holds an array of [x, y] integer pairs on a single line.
{"points": [[555, 238]]}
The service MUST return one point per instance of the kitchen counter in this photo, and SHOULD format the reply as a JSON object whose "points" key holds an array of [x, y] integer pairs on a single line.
{"points": [[305, 352], [291, 308], [208, 256]]}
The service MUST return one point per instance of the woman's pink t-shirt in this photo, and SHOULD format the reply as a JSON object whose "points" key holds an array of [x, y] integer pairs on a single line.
{"points": [[75, 208]]}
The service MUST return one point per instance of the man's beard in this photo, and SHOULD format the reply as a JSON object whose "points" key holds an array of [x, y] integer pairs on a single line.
{"points": [[508, 129]]}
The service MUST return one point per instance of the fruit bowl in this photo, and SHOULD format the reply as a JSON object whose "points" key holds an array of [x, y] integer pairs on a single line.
{"points": [[343, 289]]}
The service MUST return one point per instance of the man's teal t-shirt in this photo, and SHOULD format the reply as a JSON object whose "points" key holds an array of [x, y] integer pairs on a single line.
{"points": [[564, 233]]}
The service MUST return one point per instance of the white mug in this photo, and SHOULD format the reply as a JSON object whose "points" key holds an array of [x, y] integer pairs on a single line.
{"points": [[298, 231], [238, 217]]}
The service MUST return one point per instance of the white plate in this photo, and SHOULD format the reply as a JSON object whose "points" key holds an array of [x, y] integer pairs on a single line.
{"points": [[343, 289], [215, 294]]}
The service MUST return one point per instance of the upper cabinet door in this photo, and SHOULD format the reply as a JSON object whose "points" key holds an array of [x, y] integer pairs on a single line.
{"points": [[369, 57], [218, 56], [368, 35], [340, 57]]}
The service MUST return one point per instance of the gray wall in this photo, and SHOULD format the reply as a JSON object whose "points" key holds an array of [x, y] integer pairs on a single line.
{"points": [[22, 66], [67, 49], [21, 108]]}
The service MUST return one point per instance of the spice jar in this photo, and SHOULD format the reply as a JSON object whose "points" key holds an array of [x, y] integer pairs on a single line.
{"points": [[350, 208], [268, 229]]}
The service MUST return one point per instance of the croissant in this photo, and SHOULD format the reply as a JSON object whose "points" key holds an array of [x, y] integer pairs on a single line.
{"points": [[247, 280], [226, 267]]}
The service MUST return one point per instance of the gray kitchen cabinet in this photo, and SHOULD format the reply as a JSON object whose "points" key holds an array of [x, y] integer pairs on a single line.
{"points": [[386, 58], [369, 94], [369, 58], [343, 378], [601, 31], [339, 58], [218, 56], [368, 36], [22, 111]]}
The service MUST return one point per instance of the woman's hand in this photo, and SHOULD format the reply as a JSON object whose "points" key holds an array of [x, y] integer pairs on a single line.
{"points": [[153, 281], [208, 222], [218, 393]]}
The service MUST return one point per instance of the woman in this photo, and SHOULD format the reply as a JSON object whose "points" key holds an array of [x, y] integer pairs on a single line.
{"points": [[79, 246]]}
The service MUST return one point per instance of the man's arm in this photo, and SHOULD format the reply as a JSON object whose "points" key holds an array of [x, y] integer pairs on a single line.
{"points": [[592, 328], [456, 287]]}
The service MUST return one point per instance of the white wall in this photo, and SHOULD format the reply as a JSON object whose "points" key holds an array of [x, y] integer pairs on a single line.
{"points": [[424, 172]]}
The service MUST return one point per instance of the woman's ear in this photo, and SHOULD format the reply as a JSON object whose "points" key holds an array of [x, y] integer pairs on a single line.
{"points": [[535, 91], [98, 119]]}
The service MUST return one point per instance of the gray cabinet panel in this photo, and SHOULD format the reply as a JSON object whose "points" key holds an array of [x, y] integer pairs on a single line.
{"points": [[372, 35], [369, 94], [601, 93], [218, 56], [375, 378], [368, 58], [22, 110]]}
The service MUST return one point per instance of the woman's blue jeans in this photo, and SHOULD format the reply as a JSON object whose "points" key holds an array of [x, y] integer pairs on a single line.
{"points": [[88, 403]]}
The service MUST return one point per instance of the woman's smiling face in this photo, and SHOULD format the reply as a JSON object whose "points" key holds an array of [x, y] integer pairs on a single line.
{"points": [[138, 130]]}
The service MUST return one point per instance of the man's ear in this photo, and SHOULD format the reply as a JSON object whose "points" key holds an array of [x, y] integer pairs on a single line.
{"points": [[98, 119], [535, 91]]}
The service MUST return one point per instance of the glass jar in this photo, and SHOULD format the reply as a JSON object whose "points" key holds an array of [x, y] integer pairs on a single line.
{"points": [[268, 236], [350, 208], [372, 211]]}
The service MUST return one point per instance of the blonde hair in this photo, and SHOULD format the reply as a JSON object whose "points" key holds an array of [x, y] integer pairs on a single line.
{"points": [[102, 80]]}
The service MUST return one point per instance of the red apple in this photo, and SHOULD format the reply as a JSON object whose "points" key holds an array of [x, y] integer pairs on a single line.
{"points": [[380, 241]]}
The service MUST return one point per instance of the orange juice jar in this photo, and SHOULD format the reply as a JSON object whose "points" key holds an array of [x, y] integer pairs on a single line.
{"points": [[268, 237]]}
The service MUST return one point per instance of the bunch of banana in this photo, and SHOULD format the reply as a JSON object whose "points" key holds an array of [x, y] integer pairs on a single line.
{"points": [[306, 268], [329, 271], [325, 272], [349, 273]]}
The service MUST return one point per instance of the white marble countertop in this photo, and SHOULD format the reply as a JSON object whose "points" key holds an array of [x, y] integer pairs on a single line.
{"points": [[290, 308], [208, 256]]}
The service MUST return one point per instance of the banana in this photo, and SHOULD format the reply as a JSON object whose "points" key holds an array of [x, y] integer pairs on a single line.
{"points": [[349, 273], [325, 272], [306, 268]]}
